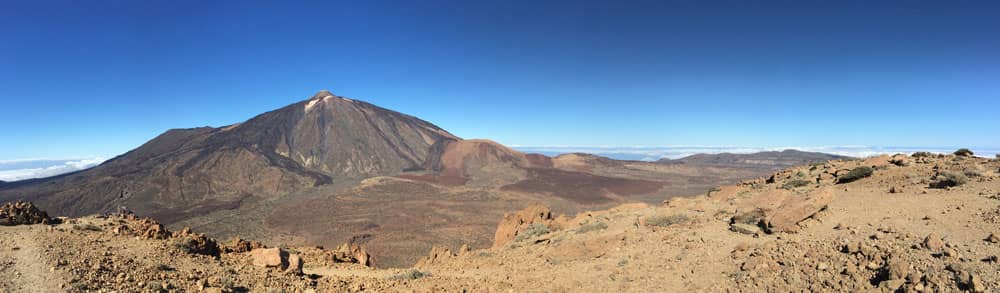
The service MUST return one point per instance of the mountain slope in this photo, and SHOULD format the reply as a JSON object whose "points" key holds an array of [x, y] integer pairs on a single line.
{"points": [[190, 171], [770, 161]]}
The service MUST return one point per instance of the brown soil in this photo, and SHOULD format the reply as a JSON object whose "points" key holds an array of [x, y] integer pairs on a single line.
{"points": [[855, 237]]}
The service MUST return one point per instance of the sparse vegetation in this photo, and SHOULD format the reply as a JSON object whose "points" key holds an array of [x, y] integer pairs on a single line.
{"points": [[533, 230], [922, 155], [855, 174], [964, 152], [87, 227], [185, 244], [948, 179], [622, 262], [714, 189], [596, 226], [164, 267], [410, 275], [78, 285], [795, 184], [227, 282], [666, 221], [972, 173]]}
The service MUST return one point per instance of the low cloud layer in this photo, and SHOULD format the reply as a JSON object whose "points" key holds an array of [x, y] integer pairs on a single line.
{"points": [[14, 170], [675, 152]]}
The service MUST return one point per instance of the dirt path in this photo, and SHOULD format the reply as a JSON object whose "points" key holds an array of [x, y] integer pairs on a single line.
{"points": [[22, 264]]}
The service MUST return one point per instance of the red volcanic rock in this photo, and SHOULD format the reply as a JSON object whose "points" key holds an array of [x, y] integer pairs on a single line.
{"points": [[513, 224]]}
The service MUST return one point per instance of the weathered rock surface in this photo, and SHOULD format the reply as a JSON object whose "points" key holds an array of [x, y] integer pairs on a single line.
{"points": [[513, 224], [795, 209], [21, 213]]}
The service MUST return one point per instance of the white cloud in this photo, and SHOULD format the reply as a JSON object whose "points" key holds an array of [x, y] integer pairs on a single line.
{"points": [[14, 170], [675, 152]]}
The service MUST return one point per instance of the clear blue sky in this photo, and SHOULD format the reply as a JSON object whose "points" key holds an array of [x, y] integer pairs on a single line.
{"points": [[84, 78]]}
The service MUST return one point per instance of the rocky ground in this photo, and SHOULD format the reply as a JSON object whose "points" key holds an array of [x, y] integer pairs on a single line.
{"points": [[922, 223]]}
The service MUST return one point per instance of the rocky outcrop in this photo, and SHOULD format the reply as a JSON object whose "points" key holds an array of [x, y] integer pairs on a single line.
{"points": [[21, 213], [441, 253], [238, 245], [196, 243], [352, 253], [514, 224], [795, 209]]}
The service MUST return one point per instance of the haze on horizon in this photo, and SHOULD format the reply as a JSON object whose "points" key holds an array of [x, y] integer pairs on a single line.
{"points": [[94, 80]]}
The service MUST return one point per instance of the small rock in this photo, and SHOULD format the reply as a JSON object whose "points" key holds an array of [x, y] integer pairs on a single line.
{"points": [[891, 285], [976, 284], [993, 238], [933, 242], [744, 228]]}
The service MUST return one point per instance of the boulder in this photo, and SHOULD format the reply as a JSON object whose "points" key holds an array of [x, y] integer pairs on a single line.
{"points": [[744, 228], [795, 209], [294, 264], [352, 253], [269, 258]]}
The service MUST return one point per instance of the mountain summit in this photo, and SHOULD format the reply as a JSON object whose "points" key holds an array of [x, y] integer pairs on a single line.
{"points": [[184, 171]]}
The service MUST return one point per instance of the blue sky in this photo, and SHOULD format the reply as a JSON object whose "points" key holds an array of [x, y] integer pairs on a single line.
{"points": [[84, 79]]}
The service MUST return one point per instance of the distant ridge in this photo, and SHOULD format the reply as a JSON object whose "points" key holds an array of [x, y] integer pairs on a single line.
{"points": [[770, 160]]}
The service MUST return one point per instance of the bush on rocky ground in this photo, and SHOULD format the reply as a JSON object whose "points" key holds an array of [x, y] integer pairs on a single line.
{"points": [[666, 221], [963, 152], [855, 174], [410, 275], [795, 184], [596, 226], [948, 179], [533, 230]]}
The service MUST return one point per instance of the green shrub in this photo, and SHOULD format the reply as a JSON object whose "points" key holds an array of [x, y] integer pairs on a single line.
{"points": [[963, 152], [596, 226], [665, 221], [948, 179], [795, 183], [533, 230], [185, 244], [855, 174], [922, 155], [410, 275]]}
